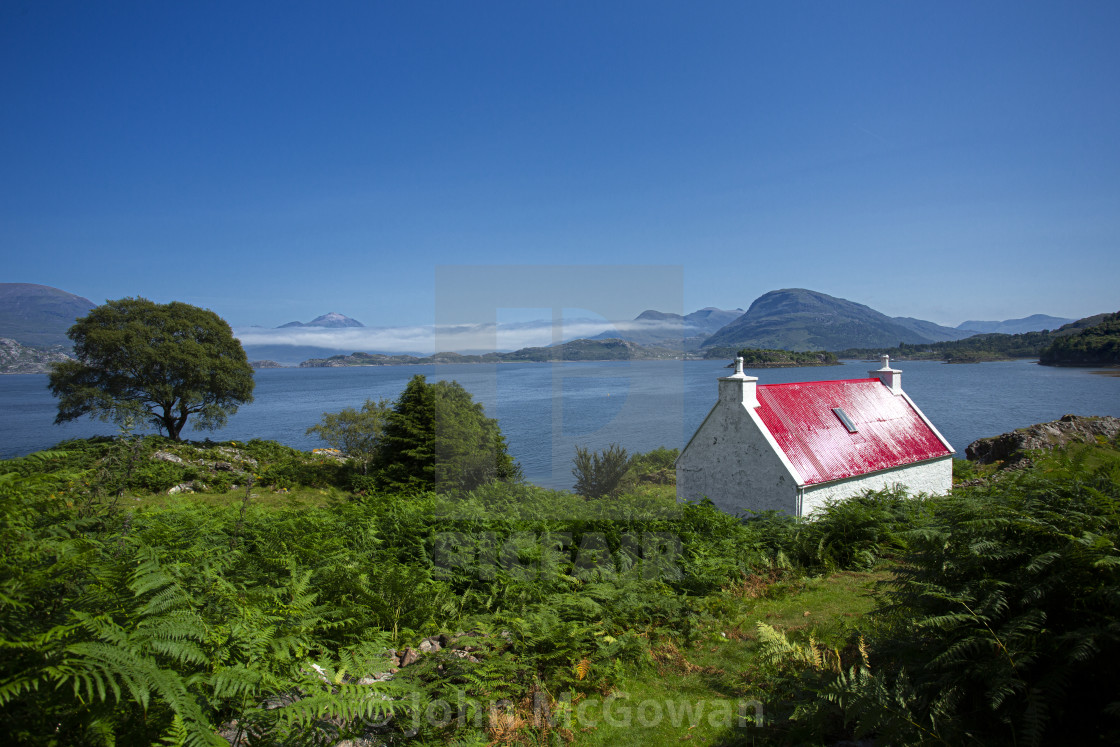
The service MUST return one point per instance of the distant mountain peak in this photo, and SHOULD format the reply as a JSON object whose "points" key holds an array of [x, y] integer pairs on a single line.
{"points": [[1032, 323], [668, 329], [39, 315], [653, 314], [332, 319], [806, 320]]}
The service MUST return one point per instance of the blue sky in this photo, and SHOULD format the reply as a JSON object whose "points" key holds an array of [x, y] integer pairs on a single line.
{"points": [[274, 161]]}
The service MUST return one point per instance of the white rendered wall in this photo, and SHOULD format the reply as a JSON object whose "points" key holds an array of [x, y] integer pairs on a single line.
{"points": [[934, 477], [731, 462]]}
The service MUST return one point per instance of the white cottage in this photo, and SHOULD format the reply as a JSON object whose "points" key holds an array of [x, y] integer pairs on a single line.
{"points": [[791, 447]]}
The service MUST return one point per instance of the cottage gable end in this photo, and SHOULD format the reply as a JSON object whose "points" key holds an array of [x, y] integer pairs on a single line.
{"points": [[733, 461]]}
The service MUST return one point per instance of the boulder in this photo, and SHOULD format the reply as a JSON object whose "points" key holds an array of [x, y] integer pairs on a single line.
{"points": [[409, 657], [1011, 448]]}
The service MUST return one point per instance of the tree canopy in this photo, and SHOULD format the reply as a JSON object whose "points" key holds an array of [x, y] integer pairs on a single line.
{"points": [[140, 360], [437, 438], [356, 433]]}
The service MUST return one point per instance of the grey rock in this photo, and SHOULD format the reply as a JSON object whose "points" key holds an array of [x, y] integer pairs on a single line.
{"points": [[1011, 448], [465, 655], [375, 678]]}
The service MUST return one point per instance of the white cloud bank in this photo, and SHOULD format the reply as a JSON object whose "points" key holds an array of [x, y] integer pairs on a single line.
{"points": [[462, 338]]}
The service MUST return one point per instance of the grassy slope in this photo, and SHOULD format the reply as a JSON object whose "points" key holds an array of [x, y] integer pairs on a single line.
{"points": [[680, 697], [696, 670]]}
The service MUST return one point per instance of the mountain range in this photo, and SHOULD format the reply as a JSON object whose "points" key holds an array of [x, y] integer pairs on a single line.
{"points": [[788, 319], [1033, 323], [38, 315], [656, 328]]}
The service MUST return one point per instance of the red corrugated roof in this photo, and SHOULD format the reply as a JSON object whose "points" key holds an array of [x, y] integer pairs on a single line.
{"points": [[889, 431]]}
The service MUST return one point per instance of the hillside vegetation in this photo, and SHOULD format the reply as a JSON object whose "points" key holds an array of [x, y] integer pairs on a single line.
{"points": [[985, 347], [276, 605], [1098, 345]]}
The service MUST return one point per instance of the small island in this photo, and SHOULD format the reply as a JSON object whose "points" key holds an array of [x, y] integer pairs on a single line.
{"points": [[766, 358]]}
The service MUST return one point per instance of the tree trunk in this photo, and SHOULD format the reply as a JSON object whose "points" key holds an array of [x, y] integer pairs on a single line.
{"points": [[178, 424], [173, 425]]}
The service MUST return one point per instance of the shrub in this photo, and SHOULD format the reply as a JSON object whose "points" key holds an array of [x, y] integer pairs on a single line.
{"points": [[600, 473], [856, 532], [355, 433]]}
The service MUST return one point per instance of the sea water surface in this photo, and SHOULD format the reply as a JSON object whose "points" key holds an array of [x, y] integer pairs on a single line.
{"points": [[547, 409]]}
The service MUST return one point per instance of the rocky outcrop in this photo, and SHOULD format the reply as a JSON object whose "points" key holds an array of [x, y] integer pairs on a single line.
{"points": [[236, 464], [22, 359], [1012, 449]]}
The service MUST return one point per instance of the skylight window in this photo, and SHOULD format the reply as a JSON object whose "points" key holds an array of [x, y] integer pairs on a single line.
{"points": [[839, 412]]}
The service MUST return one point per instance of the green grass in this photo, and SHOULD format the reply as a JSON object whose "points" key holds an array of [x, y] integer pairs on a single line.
{"points": [[694, 692]]}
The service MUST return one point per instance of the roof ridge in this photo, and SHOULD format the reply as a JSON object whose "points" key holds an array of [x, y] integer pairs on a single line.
{"points": [[860, 380]]}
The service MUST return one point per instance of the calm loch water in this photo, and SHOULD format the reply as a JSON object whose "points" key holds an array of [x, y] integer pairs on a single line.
{"points": [[545, 410]]}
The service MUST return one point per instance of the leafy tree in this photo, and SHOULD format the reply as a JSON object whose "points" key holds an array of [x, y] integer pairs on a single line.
{"points": [[437, 438], [355, 433], [599, 473], [136, 359]]}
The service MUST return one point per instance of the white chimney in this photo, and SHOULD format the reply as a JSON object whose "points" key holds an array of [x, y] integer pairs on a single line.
{"points": [[891, 377], [738, 388]]}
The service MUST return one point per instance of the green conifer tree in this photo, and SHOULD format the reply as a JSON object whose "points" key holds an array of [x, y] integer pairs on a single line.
{"points": [[437, 437]]}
